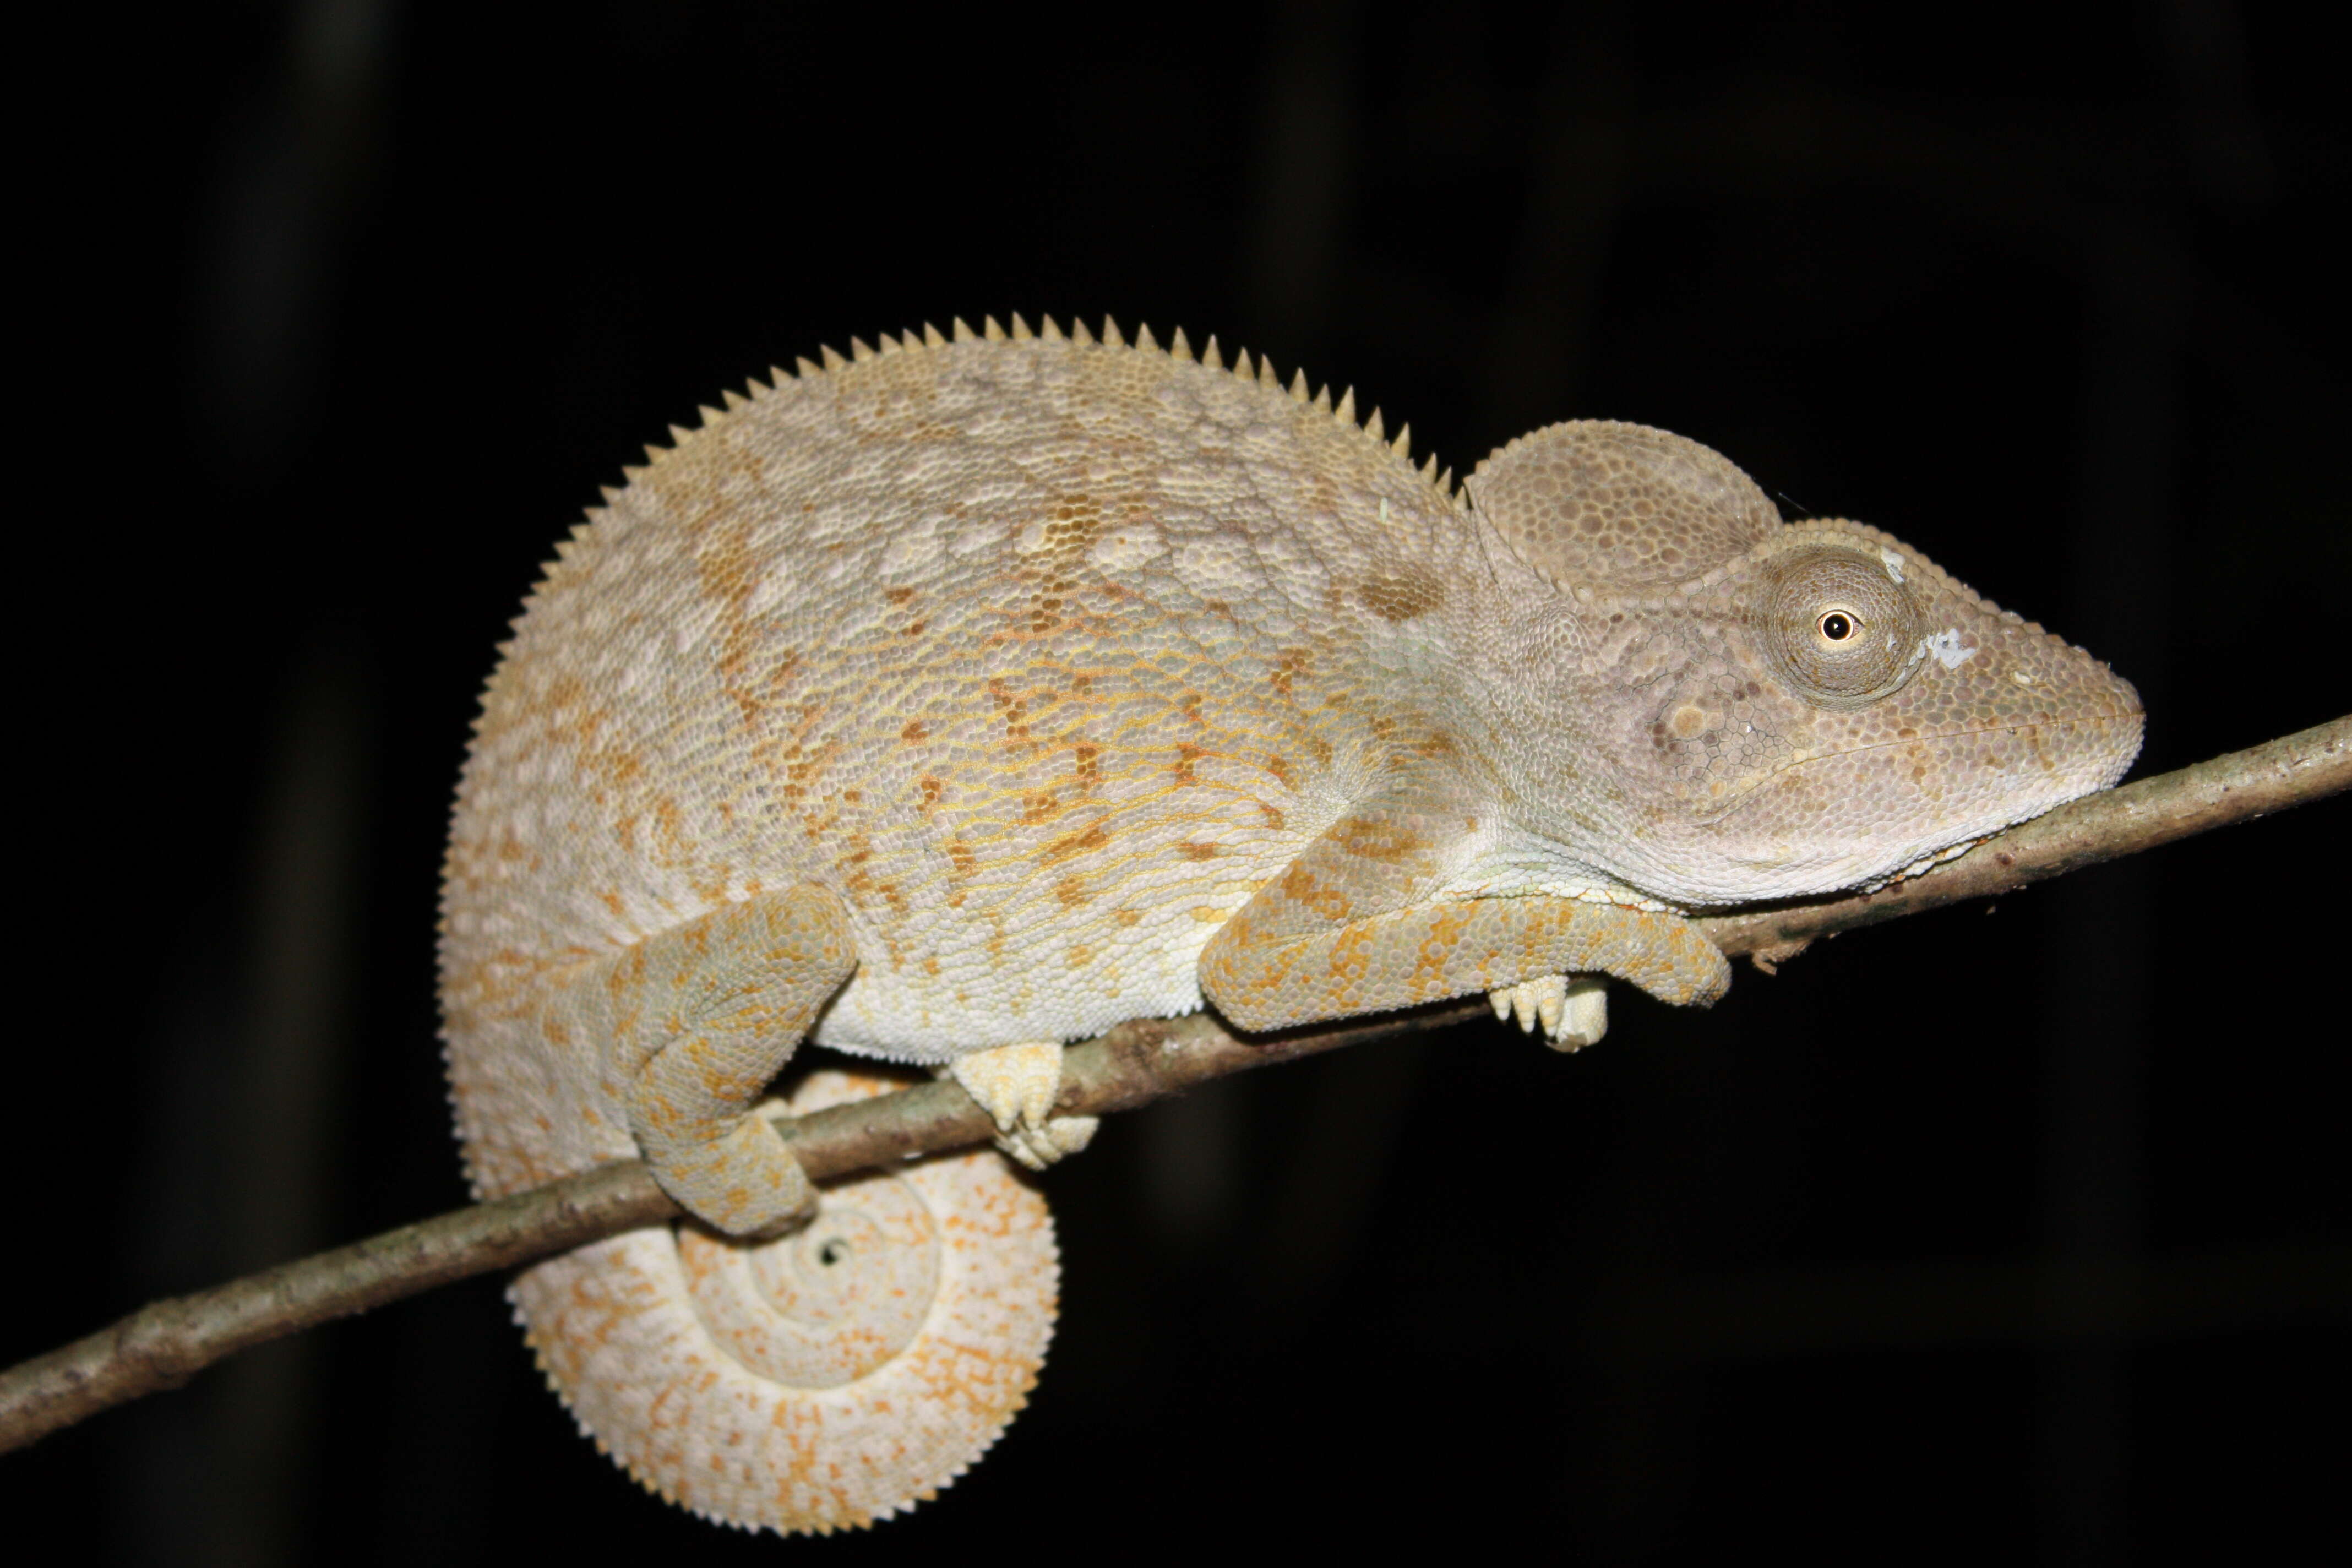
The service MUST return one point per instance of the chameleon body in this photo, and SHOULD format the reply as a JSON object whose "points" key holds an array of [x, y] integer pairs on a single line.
{"points": [[966, 697]]}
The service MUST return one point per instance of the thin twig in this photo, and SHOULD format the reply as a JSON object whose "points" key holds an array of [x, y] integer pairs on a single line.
{"points": [[162, 1345]]}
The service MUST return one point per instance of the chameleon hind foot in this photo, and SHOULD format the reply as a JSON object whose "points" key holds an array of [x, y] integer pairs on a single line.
{"points": [[704, 1014], [1016, 1085], [1572, 1008], [747, 1182]]}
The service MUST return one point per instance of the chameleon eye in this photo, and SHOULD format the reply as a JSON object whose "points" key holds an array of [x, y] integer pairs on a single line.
{"points": [[1824, 610]]}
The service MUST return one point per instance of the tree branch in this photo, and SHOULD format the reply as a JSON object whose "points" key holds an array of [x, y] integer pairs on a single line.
{"points": [[165, 1344]]}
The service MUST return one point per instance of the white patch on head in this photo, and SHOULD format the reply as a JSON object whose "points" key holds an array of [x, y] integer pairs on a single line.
{"points": [[1946, 647], [1892, 561]]}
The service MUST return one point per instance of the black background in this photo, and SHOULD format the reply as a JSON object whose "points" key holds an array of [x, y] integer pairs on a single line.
{"points": [[2019, 1235]]}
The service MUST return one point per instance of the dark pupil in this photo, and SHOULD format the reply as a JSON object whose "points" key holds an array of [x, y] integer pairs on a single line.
{"points": [[1836, 628], [832, 1252]]}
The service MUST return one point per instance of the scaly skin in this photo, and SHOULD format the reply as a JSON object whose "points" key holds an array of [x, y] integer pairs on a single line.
{"points": [[983, 694]]}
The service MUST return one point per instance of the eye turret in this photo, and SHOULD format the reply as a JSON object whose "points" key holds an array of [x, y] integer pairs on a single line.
{"points": [[1841, 630]]}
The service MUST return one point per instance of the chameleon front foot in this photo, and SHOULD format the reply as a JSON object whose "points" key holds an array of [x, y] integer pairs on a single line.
{"points": [[1572, 1008], [1016, 1085]]}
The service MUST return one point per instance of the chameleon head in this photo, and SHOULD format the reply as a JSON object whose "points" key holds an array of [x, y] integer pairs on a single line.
{"points": [[1782, 708]]}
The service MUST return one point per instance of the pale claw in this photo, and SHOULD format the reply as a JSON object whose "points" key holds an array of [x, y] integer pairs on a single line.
{"points": [[1016, 1085], [1531, 1002], [1038, 1147], [1573, 1010]]}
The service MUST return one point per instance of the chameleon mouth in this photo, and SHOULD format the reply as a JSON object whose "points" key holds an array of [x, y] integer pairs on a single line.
{"points": [[2111, 768]]}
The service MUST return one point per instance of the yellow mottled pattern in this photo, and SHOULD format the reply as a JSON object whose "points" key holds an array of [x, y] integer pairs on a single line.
{"points": [[983, 691]]}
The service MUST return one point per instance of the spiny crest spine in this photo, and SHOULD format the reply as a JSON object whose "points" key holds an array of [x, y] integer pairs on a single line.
{"points": [[1179, 348]]}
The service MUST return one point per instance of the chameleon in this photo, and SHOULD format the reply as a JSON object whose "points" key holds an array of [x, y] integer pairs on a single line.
{"points": [[959, 698]]}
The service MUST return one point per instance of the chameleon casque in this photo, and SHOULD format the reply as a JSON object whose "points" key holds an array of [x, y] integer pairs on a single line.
{"points": [[971, 695]]}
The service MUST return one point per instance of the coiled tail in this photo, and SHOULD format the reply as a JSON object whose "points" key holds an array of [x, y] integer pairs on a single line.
{"points": [[835, 1377]]}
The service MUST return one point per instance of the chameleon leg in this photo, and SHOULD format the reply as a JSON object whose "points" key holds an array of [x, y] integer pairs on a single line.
{"points": [[704, 1014], [1360, 924], [1269, 980], [1016, 1085]]}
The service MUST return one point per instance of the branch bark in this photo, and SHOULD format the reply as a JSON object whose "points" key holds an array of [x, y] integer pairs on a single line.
{"points": [[165, 1343]]}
